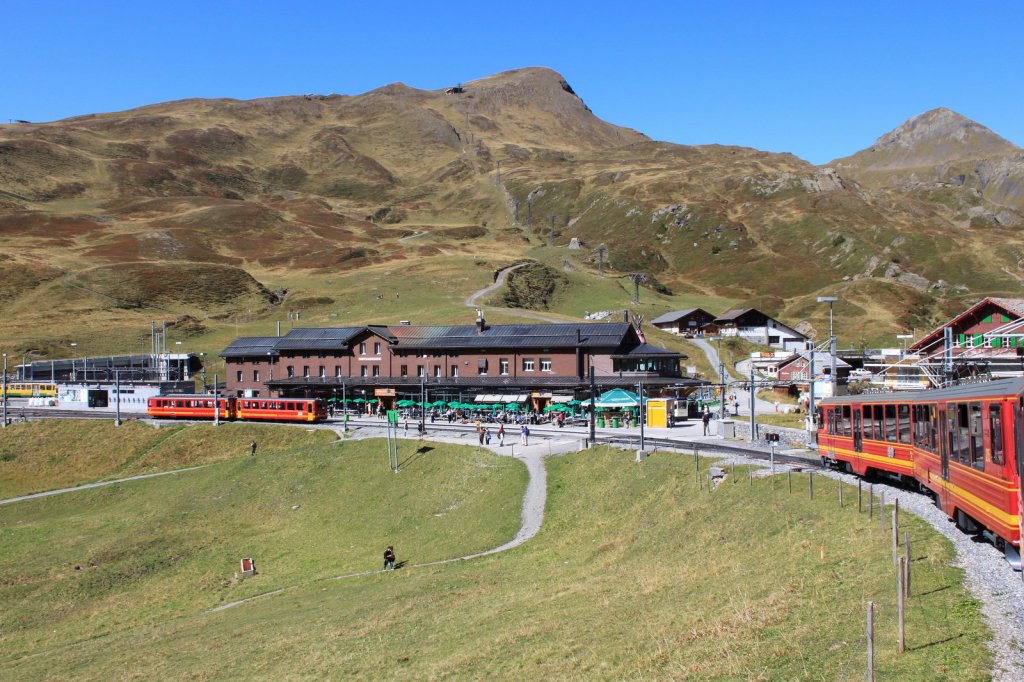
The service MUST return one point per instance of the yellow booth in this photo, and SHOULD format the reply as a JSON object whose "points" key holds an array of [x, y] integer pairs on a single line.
{"points": [[659, 412]]}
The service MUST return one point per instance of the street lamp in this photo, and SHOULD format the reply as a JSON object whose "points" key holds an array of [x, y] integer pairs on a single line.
{"points": [[831, 340], [74, 355]]}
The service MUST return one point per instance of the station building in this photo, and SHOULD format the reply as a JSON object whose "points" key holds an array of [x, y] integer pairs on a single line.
{"points": [[535, 363]]}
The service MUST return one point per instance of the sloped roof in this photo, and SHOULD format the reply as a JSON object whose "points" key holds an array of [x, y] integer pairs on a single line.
{"points": [[675, 316], [250, 345], [1014, 306], [821, 360], [600, 334], [317, 338], [736, 313], [646, 350]]}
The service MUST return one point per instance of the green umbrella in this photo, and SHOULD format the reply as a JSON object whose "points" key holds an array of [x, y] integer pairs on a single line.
{"points": [[454, 403], [405, 403], [359, 400], [512, 407], [438, 403]]}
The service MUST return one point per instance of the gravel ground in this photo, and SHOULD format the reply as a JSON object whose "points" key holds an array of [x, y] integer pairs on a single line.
{"points": [[988, 576]]}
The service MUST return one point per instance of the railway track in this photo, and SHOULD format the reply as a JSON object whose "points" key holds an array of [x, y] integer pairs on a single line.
{"points": [[18, 413]]}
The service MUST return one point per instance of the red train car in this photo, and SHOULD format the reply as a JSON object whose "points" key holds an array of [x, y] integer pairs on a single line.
{"points": [[962, 444], [281, 409], [190, 407]]}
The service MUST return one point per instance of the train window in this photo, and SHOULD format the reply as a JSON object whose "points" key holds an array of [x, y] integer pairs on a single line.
{"points": [[977, 443], [868, 423], [879, 422], [890, 423], [904, 415], [846, 420], [995, 432], [963, 423]]}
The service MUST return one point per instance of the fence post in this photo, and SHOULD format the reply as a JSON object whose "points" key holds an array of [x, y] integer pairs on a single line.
{"points": [[840, 494], [860, 505], [896, 532], [871, 641], [900, 567], [881, 514], [871, 501], [906, 545], [734, 473], [810, 483], [789, 475]]}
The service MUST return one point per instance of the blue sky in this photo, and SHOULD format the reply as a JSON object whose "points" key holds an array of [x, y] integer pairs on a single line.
{"points": [[818, 79]]}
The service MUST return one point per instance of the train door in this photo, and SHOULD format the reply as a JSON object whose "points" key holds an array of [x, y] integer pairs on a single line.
{"points": [[858, 435], [944, 442], [1018, 455]]}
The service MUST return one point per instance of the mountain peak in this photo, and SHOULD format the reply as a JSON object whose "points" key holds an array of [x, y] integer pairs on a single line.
{"points": [[938, 136]]}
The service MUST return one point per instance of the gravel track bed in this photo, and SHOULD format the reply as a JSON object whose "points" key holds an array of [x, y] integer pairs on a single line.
{"points": [[988, 576]]}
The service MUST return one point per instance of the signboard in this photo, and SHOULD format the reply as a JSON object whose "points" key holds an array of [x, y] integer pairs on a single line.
{"points": [[248, 566], [384, 392]]}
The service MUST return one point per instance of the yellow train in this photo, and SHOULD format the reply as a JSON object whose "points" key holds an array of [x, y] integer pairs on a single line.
{"points": [[30, 390]]}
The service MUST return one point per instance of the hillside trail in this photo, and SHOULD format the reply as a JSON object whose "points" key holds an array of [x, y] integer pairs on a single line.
{"points": [[471, 300], [531, 516]]}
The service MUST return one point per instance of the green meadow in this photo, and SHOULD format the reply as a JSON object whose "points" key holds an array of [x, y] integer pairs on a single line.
{"points": [[639, 572]]}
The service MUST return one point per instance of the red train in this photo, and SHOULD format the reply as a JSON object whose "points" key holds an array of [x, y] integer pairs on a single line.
{"points": [[963, 445], [248, 409]]}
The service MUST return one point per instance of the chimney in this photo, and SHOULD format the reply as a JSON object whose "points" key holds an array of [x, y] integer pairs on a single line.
{"points": [[625, 316], [481, 323]]}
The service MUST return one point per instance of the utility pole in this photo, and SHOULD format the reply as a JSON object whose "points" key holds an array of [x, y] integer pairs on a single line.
{"points": [[593, 408], [423, 402], [640, 397], [5, 391], [601, 251], [117, 397], [216, 401]]}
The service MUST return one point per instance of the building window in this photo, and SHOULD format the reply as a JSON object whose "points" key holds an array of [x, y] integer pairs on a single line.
{"points": [[455, 370], [362, 348], [481, 366], [503, 366], [362, 370], [437, 370], [403, 370], [527, 364], [323, 371], [305, 371], [239, 376], [255, 375], [376, 370], [545, 364], [376, 348], [421, 371], [291, 371], [337, 370]]}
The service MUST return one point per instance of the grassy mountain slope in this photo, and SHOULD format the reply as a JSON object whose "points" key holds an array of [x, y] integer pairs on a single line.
{"points": [[322, 203]]}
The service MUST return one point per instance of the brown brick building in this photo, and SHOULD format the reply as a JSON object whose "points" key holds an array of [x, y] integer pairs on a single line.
{"points": [[388, 362]]}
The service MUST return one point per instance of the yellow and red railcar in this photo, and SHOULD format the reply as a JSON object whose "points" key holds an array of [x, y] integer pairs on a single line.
{"points": [[962, 444], [190, 407], [281, 409]]}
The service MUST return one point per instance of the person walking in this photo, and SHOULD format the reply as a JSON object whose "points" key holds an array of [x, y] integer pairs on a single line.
{"points": [[501, 436], [487, 436], [252, 449], [526, 434], [707, 420], [389, 558]]}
